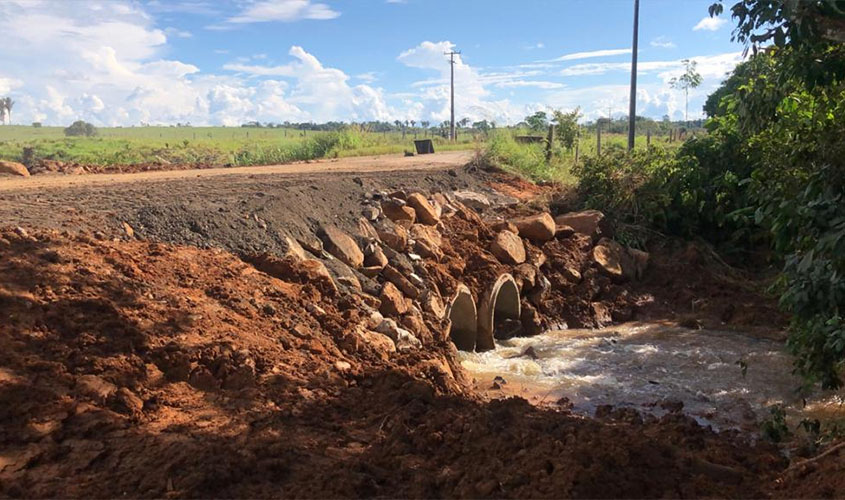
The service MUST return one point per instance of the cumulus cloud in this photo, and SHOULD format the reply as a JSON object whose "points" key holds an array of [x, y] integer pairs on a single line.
{"points": [[473, 99], [102, 62], [283, 11], [709, 24]]}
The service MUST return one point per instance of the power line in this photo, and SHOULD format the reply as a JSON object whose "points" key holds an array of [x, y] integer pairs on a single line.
{"points": [[452, 55]]}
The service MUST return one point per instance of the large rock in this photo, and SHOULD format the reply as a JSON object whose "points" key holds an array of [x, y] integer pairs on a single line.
{"points": [[404, 339], [13, 168], [311, 271], [366, 229], [538, 228], [376, 258], [393, 235], [508, 248], [379, 342], [426, 213], [341, 245], [397, 211], [472, 199], [588, 222], [392, 301], [427, 241], [402, 283], [613, 260]]}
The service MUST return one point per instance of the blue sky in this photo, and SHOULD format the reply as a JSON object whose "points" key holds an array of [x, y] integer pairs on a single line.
{"points": [[127, 62]]}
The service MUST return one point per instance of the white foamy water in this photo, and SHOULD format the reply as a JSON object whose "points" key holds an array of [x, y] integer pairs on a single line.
{"points": [[639, 365]]}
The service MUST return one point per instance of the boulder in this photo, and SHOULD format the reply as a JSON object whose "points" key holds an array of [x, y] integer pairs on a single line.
{"points": [[290, 248], [504, 226], [563, 231], [393, 235], [311, 243], [432, 303], [397, 211], [13, 168], [402, 283], [392, 301], [371, 213], [508, 248], [614, 261], [404, 339], [311, 271], [314, 271], [341, 245], [525, 275], [587, 222], [366, 230], [472, 199], [376, 258], [426, 233], [538, 228], [426, 213], [379, 342]]}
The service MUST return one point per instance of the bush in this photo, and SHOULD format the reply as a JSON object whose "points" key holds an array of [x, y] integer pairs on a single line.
{"points": [[504, 152], [81, 128], [36, 124]]}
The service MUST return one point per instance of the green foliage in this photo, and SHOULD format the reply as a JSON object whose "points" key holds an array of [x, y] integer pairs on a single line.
{"points": [[689, 80], [775, 428], [567, 127], [538, 122], [81, 128], [36, 124], [526, 159]]}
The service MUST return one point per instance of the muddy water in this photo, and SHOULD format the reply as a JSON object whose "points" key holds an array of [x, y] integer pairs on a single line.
{"points": [[650, 366]]}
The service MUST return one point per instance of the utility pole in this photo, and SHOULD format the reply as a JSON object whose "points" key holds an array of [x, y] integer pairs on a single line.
{"points": [[452, 55], [632, 108]]}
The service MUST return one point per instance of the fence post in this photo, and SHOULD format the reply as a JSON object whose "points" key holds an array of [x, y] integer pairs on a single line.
{"points": [[648, 138], [598, 138], [550, 143]]}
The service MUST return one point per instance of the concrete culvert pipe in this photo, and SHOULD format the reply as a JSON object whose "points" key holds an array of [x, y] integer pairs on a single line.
{"points": [[462, 314], [500, 306]]}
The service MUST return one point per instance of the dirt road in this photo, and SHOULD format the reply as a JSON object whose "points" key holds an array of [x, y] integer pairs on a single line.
{"points": [[362, 164]]}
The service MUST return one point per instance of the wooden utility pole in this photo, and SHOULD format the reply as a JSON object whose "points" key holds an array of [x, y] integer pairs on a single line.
{"points": [[550, 143], [452, 55], [632, 107]]}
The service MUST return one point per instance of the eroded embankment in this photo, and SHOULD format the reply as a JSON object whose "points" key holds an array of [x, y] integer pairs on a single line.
{"points": [[141, 369], [146, 369]]}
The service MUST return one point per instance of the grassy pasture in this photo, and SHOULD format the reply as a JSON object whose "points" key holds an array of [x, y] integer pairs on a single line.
{"points": [[205, 145]]}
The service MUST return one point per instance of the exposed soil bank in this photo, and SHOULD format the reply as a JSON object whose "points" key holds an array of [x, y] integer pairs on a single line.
{"points": [[148, 369], [142, 369]]}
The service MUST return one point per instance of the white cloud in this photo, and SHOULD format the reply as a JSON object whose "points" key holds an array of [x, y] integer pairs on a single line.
{"points": [[662, 42], [176, 32], [102, 62], [710, 24], [283, 11], [588, 55]]}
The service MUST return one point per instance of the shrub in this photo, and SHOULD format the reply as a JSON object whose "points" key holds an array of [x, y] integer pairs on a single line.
{"points": [[81, 128]]}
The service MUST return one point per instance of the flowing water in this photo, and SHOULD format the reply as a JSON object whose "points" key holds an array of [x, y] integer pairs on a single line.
{"points": [[650, 367]]}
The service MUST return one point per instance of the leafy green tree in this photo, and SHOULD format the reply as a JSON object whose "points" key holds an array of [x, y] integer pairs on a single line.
{"points": [[567, 127], [689, 80], [538, 122], [81, 128]]}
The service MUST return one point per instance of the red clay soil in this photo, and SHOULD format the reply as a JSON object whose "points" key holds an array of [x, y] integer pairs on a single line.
{"points": [[148, 370]]}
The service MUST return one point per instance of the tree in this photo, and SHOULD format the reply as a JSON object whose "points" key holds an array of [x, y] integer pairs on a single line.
{"points": [[81, 128], [464, 122], [567, 127], [689, 80], [538, 121], [483, 126]]}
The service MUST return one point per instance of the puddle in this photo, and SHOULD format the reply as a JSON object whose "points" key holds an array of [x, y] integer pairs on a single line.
{"points": [[640, 365]]}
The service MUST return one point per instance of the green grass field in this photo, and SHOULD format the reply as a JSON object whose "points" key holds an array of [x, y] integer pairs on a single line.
{"points": [[205, 145]]}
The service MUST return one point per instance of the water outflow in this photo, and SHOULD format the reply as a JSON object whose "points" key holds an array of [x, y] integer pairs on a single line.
{"points": [[643, 365]]}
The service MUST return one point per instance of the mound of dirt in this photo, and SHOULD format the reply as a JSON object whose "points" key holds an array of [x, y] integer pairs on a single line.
{"points": [[151, 370]]}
